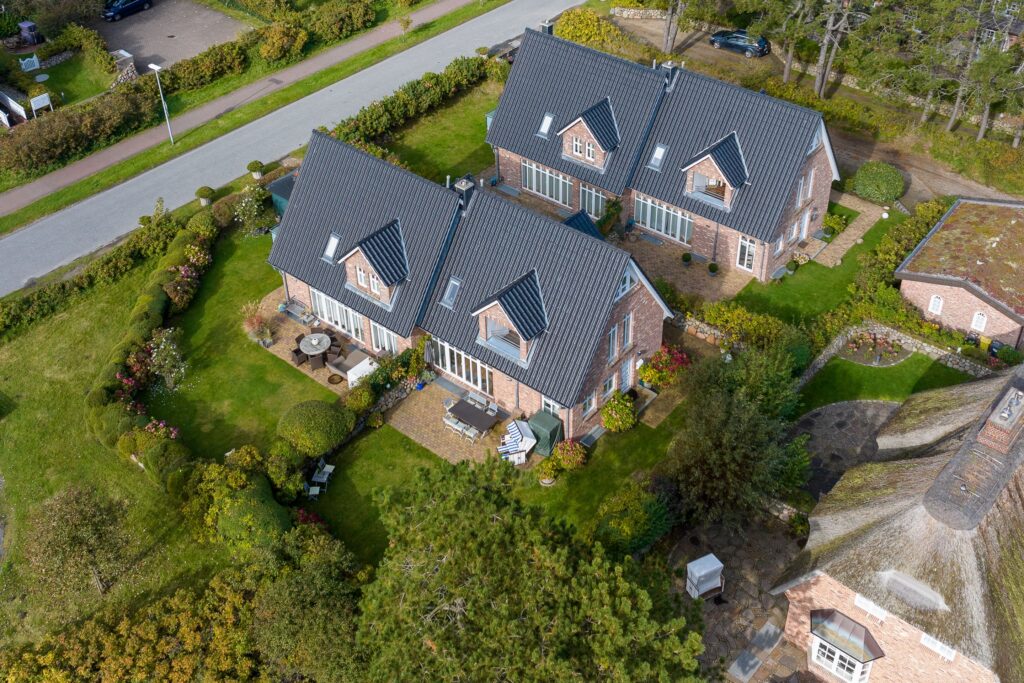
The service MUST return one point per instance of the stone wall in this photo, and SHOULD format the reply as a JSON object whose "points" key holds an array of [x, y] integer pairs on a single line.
{"points": [[58, 58], [638, 13], [947, 358]]}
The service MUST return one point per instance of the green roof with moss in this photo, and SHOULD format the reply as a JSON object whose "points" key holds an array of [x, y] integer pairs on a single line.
{"points": [[980, 242]]}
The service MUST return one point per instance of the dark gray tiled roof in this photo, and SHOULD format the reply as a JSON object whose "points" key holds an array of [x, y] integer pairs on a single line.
{"points": [[385, 250], [774, 136], [578, 276], [728, 156], [523, 301], [582, 222], [600, 119], [555, 76], [352, 194]]}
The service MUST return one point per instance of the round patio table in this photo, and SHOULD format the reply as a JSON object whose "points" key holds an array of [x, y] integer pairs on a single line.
{"points": [[314, 344]]}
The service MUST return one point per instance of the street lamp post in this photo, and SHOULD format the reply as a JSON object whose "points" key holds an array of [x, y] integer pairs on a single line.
{"points": [[156, 69]]}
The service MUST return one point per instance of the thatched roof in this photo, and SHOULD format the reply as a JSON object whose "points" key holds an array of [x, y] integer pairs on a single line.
{"points": [[907, 537]]}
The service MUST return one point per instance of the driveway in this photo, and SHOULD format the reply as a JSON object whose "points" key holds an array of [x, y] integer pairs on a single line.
{"points": [[169, 31]]}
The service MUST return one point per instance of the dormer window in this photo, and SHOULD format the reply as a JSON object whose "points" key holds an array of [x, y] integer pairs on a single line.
{"points": [[504, 335], [451, 292], [361, 276], [712, 187], [657, 157], [577, 146], [545, 125], [590, 151], [627, 283], [374, 283], [332, 246]]}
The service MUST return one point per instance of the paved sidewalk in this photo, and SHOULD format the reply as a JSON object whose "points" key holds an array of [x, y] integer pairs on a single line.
{"points": [[832, 254], [101, 219], [22, 196]]}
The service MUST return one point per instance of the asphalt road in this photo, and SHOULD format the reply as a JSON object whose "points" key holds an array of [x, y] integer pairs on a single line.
{"points": [[80, 229]]}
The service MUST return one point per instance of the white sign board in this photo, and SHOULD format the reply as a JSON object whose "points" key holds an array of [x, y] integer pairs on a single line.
{"points": [[40, 101]]}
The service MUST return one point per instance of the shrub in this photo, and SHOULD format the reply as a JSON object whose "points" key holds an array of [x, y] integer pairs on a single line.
{"points": [[712, 267], [202, 226], [630, 520], [665, 367], [833, 224], [375, 420], [206, 67], [255, 166], [741, 325], [1009, 355], [361, 398], [205, 192], [792, 265], [878, 182], [223, 210], [569, 455], [250, 517], [684, 302], [498, 70], [252, 212], [618, 414], [336, 19], [547, 469], [315, 427], [280, 42], [687, 257]]}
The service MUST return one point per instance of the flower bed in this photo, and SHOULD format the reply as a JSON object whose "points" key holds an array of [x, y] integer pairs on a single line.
{"points": [[869, 348]]}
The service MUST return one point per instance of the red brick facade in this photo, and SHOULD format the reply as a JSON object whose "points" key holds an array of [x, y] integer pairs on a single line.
{"points": [[358, 261], [959, 307], [709, 169], [716, 242], [906, 659], [582, 134]]}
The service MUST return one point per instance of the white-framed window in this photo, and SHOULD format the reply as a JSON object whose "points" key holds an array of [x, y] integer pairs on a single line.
{"points": [[591, 201], [661, 218], [627, 283], [937, 646], [800, 192], [745, 254], [613, 347], [979, 321], [463, 366], [337, 314], [332, 246], [608, 387], [778, 245], [935, 305], [361, 276], [657, 157], [794, 231], [451, 292], [988, 35], [838, 663], [588, 404], [374, 283], [550, 407], [545, 125], [810, 184], [805, 222], [577, 146], [383, 339], [590, 151], [554, 186], [627, 330]]}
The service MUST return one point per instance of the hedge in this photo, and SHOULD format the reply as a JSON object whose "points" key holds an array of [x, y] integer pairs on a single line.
{"points": [[75, 38], [315, 428], [878, 182]]}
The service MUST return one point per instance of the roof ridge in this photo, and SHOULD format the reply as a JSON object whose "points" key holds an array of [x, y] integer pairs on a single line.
{"points": [[586, 48]]}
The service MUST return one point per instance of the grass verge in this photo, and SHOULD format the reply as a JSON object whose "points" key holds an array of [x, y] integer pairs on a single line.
{"points": [[211, 130]]}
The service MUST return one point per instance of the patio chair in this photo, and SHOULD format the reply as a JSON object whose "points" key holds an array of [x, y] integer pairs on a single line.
{"points": [[324, 467], [492, 408], [298, 357], [320, 478], [448, 403], [477, 400], [454, 424], [332, 357], [299, 338], [317, 330], [312, 492], [335, 348], [471, 433], [316, 362]]}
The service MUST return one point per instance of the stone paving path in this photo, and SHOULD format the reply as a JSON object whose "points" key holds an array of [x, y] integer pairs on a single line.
{"points": [[842, 436], [832, 254]]}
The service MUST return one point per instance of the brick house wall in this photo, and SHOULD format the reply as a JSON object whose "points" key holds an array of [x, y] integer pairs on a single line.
{"points": [[580, 130], [358, 260], [906, 660], [497, 314], [958, 308], [299, 291], [707, 167], [816, 205], [510, 171]]}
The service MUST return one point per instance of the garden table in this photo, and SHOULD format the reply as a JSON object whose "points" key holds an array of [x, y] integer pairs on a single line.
{"points": [[466, 412], [314, 344]]}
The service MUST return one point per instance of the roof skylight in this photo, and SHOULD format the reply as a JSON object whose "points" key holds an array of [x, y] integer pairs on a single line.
{"points": [[545, 125], [451, 292], [657, 157], [332, 246]]}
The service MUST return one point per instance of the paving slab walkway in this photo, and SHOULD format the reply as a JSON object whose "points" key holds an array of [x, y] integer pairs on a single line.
{"points": [[81, 229], [832, 254]]}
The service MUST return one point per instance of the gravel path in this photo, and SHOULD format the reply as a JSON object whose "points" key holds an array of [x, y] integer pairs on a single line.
{"points": [[103, 218]]}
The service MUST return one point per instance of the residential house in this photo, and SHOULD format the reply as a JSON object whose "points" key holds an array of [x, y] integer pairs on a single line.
{"points": [[533, 313], [963, 275], [738, 177], [907, 576]]}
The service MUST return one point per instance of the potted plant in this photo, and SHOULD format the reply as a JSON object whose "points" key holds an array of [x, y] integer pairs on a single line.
{"points": [[256, 168], [713, 269], [791, 266], [687, 258], [205, 195], [282, 307], [547, 470]]}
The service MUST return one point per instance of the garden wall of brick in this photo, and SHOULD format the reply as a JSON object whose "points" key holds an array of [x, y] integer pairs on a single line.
{"points": [[947, 358]]}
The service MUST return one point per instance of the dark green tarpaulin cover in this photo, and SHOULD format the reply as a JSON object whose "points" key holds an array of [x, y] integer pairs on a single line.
{"points": [[548, 430]]}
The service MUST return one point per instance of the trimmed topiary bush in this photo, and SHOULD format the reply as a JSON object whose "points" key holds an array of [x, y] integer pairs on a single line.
{"points": [[618, 414], [878, 182], [315, 427]]}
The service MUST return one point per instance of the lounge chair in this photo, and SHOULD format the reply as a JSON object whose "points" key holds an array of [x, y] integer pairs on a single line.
{"points": [[298, 357], [316, 362]]}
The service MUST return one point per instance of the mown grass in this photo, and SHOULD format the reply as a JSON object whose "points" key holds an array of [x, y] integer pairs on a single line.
{"points": [[75, 80], [843, 380], [236, 118], [46, 446]]}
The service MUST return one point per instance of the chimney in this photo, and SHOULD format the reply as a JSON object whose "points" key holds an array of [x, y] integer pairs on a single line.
{"points": [[547, 27], [465, 187], [671, 70]]}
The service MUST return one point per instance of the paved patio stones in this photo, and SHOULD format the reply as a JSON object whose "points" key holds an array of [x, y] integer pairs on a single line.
{"points": [[832, 254], [842, 436], [665, 260]]}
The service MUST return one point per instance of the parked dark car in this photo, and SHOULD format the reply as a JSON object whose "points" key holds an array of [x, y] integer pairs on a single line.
{"points": [[115, 10], [739, 41]]}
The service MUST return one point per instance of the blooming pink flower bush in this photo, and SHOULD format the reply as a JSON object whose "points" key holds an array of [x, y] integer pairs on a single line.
{"points": [[665, 367]]}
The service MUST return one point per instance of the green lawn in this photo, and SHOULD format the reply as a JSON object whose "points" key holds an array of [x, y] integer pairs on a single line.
{"points": [[813, 289], [45, 446], [451, 140], [235, 391], [380, 458], [843, 380], [844, 211], [75, 80]]}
